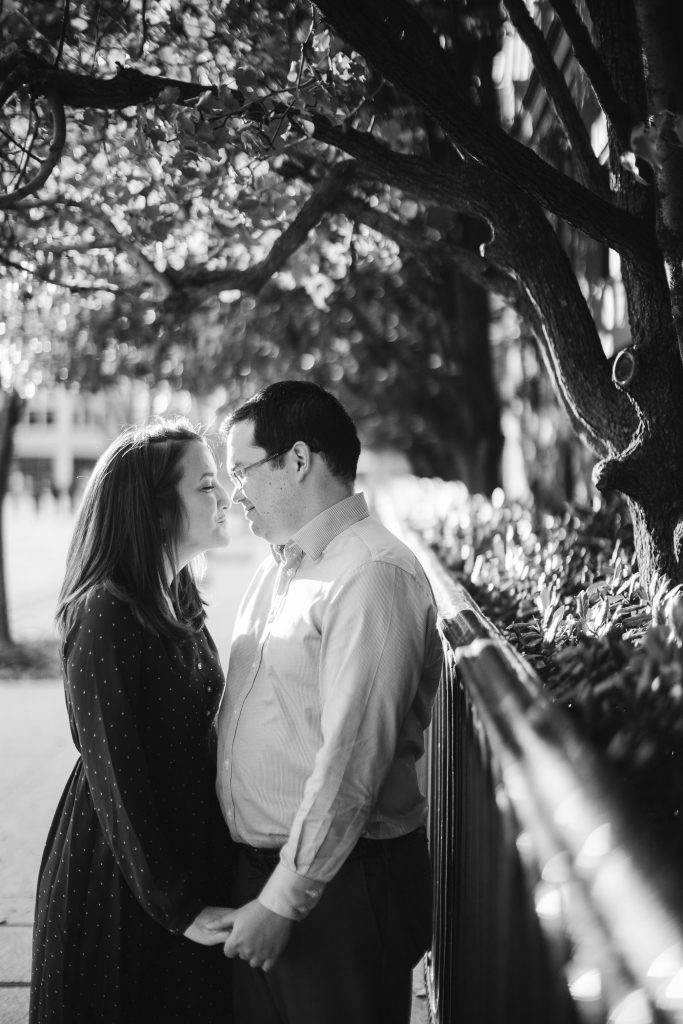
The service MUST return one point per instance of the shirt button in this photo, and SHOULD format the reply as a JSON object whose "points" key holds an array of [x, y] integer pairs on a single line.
{"points": [[229, 815]]}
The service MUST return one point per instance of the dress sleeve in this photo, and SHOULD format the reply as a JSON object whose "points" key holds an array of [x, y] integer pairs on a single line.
{"points": [[103, 673]]}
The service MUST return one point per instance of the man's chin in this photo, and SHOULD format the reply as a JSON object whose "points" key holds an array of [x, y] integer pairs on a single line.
{"points": [[256, 529]]}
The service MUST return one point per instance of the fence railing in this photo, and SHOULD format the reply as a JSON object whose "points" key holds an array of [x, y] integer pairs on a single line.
{"points": [[548, 909]]}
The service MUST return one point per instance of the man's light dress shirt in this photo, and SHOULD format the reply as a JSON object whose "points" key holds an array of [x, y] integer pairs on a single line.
{"points": [[334, 665]]}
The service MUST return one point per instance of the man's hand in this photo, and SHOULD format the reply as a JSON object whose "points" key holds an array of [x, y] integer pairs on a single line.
{"points": [[258, 935], [210, 926]]}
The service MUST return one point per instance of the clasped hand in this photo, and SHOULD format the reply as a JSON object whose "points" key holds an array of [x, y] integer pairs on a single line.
{"points": [[211, 926], [258, 935]]}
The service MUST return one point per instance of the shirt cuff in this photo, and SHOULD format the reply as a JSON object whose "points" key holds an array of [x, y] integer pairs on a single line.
{"points": [[289, 894]]}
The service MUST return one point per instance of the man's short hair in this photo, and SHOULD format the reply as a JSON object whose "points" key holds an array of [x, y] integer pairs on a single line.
{"points": [[296, 410]]}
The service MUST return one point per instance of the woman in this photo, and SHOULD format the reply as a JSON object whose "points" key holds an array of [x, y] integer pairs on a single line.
{"points": [[126, 924]]}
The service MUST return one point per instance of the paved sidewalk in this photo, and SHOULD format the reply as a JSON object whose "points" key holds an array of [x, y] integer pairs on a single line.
{"points": [[37, 754]]}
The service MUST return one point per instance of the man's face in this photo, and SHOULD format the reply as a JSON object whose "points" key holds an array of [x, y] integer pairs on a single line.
{"points": [[268, 496]]}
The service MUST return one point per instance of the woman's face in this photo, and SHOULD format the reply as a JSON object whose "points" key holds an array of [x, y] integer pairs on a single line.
{"points": [[205, 502]]}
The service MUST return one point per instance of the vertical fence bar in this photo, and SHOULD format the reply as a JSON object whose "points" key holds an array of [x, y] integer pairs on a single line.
{"points": [[490, 961]]}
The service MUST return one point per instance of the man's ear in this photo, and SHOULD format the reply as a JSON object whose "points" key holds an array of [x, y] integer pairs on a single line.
{"points": [[302, 456]]}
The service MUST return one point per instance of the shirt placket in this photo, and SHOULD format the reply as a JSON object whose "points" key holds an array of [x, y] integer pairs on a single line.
{"points": [[289, 563]]}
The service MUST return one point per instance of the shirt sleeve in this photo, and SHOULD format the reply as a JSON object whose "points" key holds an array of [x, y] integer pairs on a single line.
{"points": [[376, 639], [103, 672]]}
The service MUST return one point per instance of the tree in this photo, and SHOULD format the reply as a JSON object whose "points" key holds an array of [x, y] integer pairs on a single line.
{"points": [[298, 119], [627, 412], [470, 439]]}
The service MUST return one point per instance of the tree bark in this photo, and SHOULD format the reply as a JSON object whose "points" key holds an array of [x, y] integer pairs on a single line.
{"points": [[10, 409], [661, 26]]}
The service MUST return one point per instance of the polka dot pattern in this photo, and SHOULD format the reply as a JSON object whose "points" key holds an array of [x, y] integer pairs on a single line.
{"points": [[137, 846]]}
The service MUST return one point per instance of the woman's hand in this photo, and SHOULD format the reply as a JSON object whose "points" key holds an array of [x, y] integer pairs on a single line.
{"points": [[211, 926]]}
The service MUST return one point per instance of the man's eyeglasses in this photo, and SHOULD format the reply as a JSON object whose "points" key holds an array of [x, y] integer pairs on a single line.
{"points": [[238, 475]]}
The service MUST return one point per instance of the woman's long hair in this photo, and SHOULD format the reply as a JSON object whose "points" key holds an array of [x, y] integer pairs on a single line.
{"points": [[127, 532]]}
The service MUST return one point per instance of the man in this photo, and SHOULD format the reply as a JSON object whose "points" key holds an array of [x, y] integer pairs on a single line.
{"points": [[333, 669]]}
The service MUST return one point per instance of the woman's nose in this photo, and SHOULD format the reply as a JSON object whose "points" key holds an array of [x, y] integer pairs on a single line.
{"points": [[237, 488]]}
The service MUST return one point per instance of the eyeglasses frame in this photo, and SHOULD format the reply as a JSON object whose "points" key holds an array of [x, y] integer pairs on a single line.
{"points": [[238, 476]]}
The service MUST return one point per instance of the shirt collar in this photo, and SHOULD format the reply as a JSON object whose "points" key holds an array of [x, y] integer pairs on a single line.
{"points": [[313, 538]]}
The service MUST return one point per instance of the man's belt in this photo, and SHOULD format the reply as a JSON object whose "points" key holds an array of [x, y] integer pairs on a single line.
{"points": [[266, 858]]}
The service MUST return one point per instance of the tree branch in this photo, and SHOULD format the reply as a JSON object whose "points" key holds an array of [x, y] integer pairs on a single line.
{"points": [[478, 269], [194, 288], [66, 89], [614, 108], [396, 41], [526, 246], [62, 35], [126, 88], [31, 187], [599, 220], [481, 271], [591, 173], [117, 241], [437, 91], [44, 276]]}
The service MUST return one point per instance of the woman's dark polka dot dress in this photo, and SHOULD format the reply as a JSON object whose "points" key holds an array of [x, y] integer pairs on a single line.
{"points": [[137, 846]]}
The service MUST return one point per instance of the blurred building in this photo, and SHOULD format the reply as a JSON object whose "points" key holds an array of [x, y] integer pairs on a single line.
{"points": [[58, 440], [64, 430]]}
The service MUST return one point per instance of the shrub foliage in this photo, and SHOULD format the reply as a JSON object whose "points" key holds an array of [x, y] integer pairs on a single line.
{"points": [[565, 592]]}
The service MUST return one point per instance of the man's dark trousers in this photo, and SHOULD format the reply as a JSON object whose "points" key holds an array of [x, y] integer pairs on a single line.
{"points": [[351, 959]]}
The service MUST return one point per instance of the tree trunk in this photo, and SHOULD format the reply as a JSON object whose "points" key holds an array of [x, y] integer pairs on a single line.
{"points": [[649, 469], [475, 41], [10, 410], [479, 443]]}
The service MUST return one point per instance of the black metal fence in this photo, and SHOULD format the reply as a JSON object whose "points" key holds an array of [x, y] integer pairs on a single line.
{"points": [[547, 908]]}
